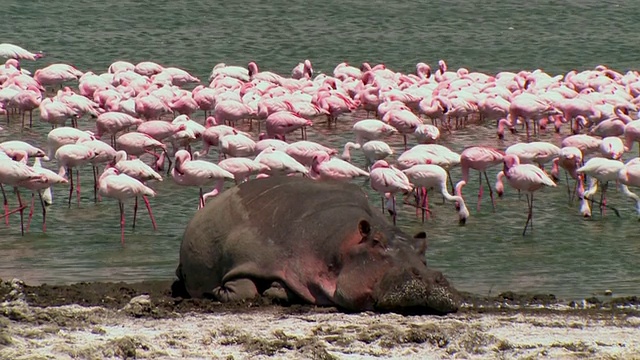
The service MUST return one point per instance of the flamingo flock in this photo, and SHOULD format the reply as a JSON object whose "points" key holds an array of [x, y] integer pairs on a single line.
{"points": [[127, 122]]}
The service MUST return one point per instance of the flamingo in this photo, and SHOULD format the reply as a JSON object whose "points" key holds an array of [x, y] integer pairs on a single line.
{"points": [[55, 74], [586, 143], [404, 121], [428, 176], [570, 159], [304, 151], [302, 71], [325, 167], [236, 145], [121, 187], [242, 168], [188, 172], [37, 185], [15, 147], [632, 134], [629, 175], [612, 147], [103, 153], [113, 122], [148, 68], [426, 134], [538, 152], [280, 163], [387, 179], [284, 122], [137, 144], [479, 158], [600, 170], [65, 135], [372, 129], [73, 156], [13, 173], [523, 177], [373, 151], [11, 51], [139, 171]]}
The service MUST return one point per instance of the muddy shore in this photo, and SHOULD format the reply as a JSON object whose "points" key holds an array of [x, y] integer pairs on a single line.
{"points": [[143, 320]]}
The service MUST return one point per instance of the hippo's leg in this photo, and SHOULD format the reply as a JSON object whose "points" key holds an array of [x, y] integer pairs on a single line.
{"points": [[234, 290], [281, 294]]}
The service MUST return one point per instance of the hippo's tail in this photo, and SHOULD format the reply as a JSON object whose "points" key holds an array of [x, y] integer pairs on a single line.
{"points": [[178, 288]]}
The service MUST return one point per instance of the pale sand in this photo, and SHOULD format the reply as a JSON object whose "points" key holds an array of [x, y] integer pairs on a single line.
{"points": [[70, 332]]}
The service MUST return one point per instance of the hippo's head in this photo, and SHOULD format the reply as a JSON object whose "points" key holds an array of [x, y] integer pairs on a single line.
{"points": [[385, 270]]}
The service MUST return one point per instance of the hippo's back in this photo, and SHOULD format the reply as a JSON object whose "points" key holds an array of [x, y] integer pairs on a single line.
{"points": [[263, 219]]}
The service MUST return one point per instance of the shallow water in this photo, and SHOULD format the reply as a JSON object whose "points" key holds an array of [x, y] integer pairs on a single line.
{"points": [[565, 254]]}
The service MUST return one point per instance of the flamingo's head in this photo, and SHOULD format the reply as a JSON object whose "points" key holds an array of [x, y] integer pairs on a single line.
{"points": [[380, 164], [510, 161]]}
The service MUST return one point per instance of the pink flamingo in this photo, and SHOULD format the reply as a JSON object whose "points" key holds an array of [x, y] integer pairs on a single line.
{"points": [[404, 121], [570, 159], [387, 179], [148, 68], [14, 148], [37, 185], [184, 104], [55, 74], [56, 112], [11, 51], [632, 134], [538, 152], [284, 122], [205, 98], [255, 74], [13, 173], [138, 144], [523, 177], [426, 134], [188, 172], [325, 167], [236, 72], [629, 175], [529, 107], [139, 171], [304, 151], [120, 66], [73, 156], [104, 153], [150, 106], [600, 170], [160, 129], [212, 134], [236, 145], [373, 151], [113, 122], [280, 163], [586, 143], [242, 168], [428, 176], [231, 111], [302, 71], [372, 129], [479, 158], [79, 103], [65, 135], [264, 143], [119, 186], [27, 100], [612, 147]]}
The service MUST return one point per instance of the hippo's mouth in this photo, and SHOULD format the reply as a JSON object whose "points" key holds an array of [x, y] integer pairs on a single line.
{"points": [[414, 298]]}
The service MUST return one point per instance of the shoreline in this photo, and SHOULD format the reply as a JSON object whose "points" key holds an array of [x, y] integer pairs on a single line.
{"points": [[142, 320]]}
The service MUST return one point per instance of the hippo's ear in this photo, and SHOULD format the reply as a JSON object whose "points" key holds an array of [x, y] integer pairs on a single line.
{"points": [[365, 228], [420, 243]]}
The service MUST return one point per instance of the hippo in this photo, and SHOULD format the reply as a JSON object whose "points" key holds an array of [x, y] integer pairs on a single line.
{"points": [[304, 241]]}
